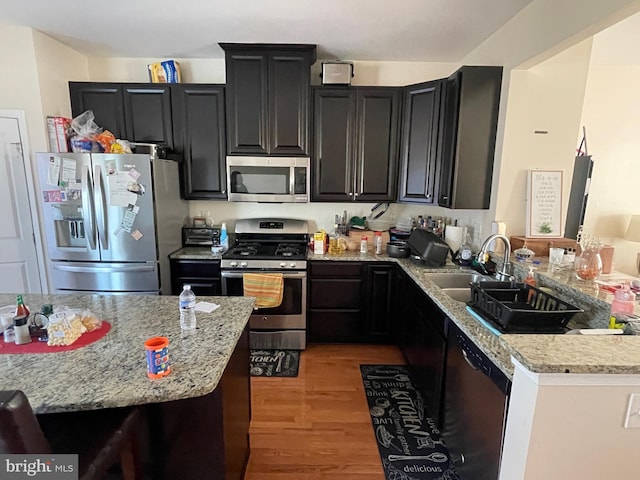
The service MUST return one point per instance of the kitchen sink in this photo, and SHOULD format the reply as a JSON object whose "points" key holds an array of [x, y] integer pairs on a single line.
{"points": [[458, 294], [457, 279], [457, 284]]}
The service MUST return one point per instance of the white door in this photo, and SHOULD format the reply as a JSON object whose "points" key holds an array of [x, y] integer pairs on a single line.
{"points": [[19, 268]]}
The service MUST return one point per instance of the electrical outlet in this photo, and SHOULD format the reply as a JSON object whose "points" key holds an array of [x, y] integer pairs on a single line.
{"points": [[632, 419]]}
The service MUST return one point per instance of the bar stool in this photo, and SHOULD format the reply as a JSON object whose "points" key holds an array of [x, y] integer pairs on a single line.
{"points": [[101, 438]]}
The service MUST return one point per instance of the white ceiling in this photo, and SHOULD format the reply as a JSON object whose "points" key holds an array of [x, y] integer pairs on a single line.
{"points": [[401, 30]]}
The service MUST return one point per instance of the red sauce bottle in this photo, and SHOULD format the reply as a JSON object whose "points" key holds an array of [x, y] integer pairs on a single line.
{"points": [[21, 308]]}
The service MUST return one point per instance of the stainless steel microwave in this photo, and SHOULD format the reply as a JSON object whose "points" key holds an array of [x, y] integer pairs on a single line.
{"points": [[268, 179]]}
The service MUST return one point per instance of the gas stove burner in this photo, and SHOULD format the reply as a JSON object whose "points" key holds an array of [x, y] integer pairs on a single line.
{"points": [[287, 250], [246, 249]]}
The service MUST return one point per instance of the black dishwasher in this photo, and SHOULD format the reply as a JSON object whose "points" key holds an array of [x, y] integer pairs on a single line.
{"points": [[475, 408]]}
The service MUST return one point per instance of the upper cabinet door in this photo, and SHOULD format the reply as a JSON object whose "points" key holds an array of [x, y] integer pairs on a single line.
{"points": [[147, 112], [104, 99], [469, 140], [198, 120], [420, 134], [377, 144], [268, 98], [247, 103], [289, 103], [134, 112], [334, 143]]}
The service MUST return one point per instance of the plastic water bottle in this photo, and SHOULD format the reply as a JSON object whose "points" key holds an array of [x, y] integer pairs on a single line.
{"points": [[187, 309], [224, 237]]}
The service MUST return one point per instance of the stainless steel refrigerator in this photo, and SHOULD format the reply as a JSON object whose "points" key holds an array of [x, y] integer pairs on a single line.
{"points": [[110, 221]]}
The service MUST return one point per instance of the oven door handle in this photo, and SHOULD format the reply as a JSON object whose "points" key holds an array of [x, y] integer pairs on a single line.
{"points": [[234, 274]]}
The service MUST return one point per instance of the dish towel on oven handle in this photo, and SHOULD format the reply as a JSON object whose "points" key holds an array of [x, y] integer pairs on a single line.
{"points": [[266, 287]]}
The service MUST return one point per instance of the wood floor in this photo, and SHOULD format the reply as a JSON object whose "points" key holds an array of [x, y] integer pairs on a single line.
{"points": [[317, 425]]}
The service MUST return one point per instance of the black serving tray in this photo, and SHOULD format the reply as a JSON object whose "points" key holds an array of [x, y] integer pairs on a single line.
{"points": [[520, 308]]}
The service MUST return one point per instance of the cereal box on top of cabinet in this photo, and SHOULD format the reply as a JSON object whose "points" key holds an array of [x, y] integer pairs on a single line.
{"points": [[165, 72], [58, 132]]}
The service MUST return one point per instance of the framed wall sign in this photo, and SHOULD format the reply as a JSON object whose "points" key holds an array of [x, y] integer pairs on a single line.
{"points": [[544, 203]]}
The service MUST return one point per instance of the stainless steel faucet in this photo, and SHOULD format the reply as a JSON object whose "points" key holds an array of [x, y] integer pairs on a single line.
{"points": [[504, 272]]}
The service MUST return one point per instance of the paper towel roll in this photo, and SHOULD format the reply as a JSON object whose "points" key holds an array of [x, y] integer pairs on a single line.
{"points": [[453, 237], [497, 227]]}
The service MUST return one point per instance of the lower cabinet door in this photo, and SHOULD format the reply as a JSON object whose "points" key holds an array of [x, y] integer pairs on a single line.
{"points": [[335, 327], [202, 275]]}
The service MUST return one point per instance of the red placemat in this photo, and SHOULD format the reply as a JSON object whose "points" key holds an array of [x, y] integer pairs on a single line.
{"points": [[42, 347]]}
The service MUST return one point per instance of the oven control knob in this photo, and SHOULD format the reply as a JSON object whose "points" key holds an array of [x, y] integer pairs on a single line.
{"points": [[283, 264], [264, 319], [243, 264], [292, 264], [233, 264]]}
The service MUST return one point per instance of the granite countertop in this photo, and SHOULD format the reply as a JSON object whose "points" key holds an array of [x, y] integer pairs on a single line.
{"points": [[540, 353], [195, 253], [112, 371]]}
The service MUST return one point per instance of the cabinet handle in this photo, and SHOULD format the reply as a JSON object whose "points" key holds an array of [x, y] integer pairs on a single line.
{"points": [[428, 195], [445, 197], [224, 192], [355, 194]]}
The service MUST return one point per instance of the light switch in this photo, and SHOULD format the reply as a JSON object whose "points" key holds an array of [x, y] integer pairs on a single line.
{"points": [[632, 419]]}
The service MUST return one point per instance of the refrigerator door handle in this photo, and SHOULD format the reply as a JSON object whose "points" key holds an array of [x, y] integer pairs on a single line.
{"points": [[88, 208], [101, 200], [103, 269]]}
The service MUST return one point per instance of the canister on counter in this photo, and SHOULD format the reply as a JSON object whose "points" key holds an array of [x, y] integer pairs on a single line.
{"points": [[21, 329], [157, 353], [364, 243], [320, 242]]}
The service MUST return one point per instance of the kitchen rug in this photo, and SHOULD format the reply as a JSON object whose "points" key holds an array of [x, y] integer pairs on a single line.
{"points": [[408, 439], [274, 363]]}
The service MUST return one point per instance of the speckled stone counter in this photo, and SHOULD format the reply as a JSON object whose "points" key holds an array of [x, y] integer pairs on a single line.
{"points": [[538, 353], [112, 371], [195, 253]]}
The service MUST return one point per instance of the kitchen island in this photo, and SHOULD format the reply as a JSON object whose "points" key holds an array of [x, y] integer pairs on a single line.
{"points": [[198, 415]]}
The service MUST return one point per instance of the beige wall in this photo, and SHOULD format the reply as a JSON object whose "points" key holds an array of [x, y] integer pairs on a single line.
{"points": [[540, 31], [211, 70], [37, 80], [19, 88], [612, 118], [116, 69], [547, 97], [56, 65]]}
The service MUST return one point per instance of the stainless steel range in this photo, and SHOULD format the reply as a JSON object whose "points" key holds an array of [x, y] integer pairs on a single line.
{"points": [[272, 245]]}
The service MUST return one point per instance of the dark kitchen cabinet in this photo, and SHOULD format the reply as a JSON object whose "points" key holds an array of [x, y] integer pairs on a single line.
{"points": [[199, 131], [421, 128], [379, 298], [147, 113], [135, 112], [336, 308], [104, 99], [202, 275], [268, 98], [188, 118], [355, 150], [423, 343], [350, 302], [470, 118]]}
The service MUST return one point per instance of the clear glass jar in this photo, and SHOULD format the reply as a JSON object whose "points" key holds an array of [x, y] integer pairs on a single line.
{"points": [[588, 265]]}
